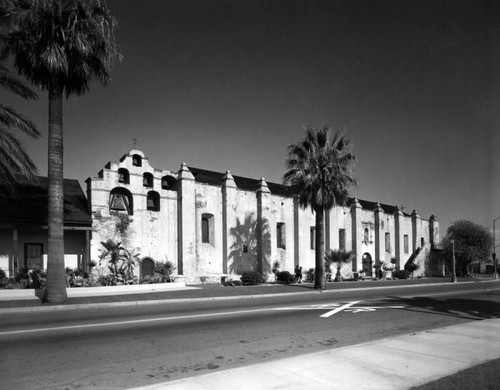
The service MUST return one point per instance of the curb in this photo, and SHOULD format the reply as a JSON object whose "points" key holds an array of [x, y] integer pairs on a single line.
{"points": [[107, 305]]}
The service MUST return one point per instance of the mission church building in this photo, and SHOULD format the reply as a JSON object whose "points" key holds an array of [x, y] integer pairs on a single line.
{"points": [[212, 224]]}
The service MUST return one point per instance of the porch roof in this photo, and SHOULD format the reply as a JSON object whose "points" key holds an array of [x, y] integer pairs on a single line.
{"points": [[27, 204]]}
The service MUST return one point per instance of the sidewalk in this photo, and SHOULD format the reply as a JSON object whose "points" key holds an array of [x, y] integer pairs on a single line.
{"points": [[392, 363]]}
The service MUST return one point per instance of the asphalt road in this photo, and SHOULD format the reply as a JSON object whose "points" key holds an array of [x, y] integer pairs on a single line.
{"points": [[129, 347]]}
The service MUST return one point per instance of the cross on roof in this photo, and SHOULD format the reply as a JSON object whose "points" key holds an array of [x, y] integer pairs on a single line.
{"points": [[135, 141]]}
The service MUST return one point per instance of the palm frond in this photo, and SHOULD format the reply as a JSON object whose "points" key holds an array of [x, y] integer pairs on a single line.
{"points": [[15, 163], [320, 168], [9, 117], [71, 41], [9, 82]]}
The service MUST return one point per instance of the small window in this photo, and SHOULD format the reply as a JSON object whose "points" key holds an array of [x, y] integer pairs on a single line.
{"points": [[422, 242], [342, 239], [153, 201], [406, 245], [366, 236], [136, 160], [281, 235], [120, 200], [123, 176], [147, 179], [33, 256], [388, 242], [207, 229], [312, 237]]}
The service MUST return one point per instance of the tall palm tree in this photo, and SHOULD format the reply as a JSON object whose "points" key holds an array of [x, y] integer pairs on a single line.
{"points": [[15, 163], [319, 174], [60, 46]]}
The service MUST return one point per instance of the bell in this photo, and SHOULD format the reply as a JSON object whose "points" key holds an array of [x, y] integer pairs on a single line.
{"points": [[151, 204], [118, 204], [121, 178]]}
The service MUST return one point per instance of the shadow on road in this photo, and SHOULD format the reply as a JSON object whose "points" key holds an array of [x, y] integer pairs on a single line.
{"points": [[478, 309]]}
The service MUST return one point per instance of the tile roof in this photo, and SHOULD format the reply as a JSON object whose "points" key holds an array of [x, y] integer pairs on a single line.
{"points": [[28, 204], [243, 183], [247, 184]]}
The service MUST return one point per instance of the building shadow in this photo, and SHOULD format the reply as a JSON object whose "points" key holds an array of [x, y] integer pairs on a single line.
{"points": [[475, 309]]}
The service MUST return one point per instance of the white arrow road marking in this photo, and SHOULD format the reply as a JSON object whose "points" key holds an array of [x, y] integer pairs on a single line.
{"points": [[338, 309], [361, 309]]}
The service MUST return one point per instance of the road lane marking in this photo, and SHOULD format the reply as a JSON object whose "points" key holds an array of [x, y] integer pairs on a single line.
{"points": [[142, 321], [338, 309]]}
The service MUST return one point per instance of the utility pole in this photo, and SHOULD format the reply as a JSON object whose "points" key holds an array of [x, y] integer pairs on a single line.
{"points": [[494, 255], [453, 273]]}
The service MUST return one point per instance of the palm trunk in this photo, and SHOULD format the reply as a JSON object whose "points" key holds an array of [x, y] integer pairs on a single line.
{"points": [[319, 283], [56, 286]]}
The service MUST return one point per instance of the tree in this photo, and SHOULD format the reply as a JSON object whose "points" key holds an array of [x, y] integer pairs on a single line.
{"points": [[60, 46], [15, 163], [338, 258], [319, 174], [473, 243], [115, 254]]}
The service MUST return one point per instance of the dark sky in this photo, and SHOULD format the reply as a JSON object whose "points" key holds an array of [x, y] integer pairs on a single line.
{"points": [[230, 84]]}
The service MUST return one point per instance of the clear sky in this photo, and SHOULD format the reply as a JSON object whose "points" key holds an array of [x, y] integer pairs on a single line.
{"points": [[229, 84]]}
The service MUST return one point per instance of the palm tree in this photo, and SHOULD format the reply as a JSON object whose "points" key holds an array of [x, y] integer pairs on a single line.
{"points": [[60, 46], [338, 258], [319, 175], [15, 163], [115, 254]]}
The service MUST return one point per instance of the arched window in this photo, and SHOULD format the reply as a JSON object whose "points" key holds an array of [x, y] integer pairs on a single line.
{"points": [[121, 200], [168, 183], [153, 201], [137, 160], [123, 176], [207, 228], [388, 242], [147, 179], [366, 237]]}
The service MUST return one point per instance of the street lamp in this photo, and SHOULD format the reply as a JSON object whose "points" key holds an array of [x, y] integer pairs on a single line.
{"points": [[494, 255], [453, 273]]}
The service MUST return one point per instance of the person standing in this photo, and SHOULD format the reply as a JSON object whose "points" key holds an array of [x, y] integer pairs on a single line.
{"points": [[298, 274]]}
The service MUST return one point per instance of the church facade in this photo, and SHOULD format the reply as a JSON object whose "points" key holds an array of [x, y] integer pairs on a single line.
{"points": [[212, 224]]}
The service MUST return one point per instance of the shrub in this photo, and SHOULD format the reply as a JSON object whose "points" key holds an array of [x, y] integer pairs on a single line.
{"points": [[106, 280], [411, 268], [285, 277], [250, 278], [232, 283], [147, 279], [2, 274], [76, 277], [310, 276], [164, 270], [38, 278], [401, 274]]}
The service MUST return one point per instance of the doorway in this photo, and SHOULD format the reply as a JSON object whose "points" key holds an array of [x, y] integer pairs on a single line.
{"points": [[147, 267], [367, 264]]}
